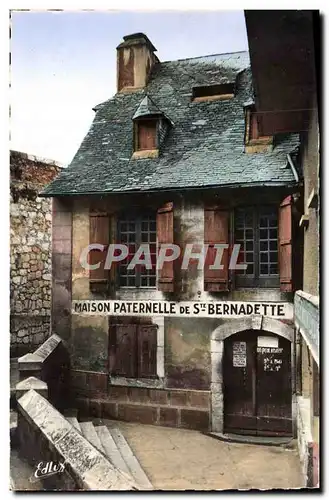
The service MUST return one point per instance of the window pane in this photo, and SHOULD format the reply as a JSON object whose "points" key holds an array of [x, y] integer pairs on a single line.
{"points": [[250, 269], [244, 235], [264, 269], [263, 257], [137, 230], [263, 245], [273, 245]]}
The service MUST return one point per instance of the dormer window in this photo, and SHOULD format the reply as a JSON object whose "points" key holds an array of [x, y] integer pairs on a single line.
{"points": [[150, 129], [146, 135], [255, 142], [220, 91]]}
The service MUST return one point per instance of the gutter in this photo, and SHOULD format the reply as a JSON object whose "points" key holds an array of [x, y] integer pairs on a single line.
{"points": [[278, 184], [293, 168]]}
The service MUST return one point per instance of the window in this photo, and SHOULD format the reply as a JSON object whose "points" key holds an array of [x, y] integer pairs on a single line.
{"points": [[255, 141], [256, 230], [213, 92], [133, 350], [134, 231], [146, 135]]}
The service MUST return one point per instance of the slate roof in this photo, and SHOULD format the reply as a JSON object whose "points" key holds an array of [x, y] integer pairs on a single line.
{"points": [[204, 146], [147, 107]]}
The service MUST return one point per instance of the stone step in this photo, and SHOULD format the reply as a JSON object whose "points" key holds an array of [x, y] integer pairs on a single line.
{"points": [[89, 432], [111, 449], [134, 466], [74, 422]]}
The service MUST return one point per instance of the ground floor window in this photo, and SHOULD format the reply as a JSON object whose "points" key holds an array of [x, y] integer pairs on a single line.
{"points": [[133, 350]]}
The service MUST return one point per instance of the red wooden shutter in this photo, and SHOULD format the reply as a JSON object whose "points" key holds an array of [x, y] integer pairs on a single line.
{"points": [[99, 232], [147, 350], [124, 359], [165, 234], [146, 135], [216, 224], [285, 251]]}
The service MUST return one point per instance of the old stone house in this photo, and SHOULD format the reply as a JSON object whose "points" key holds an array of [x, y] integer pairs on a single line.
{"points": [[178, 156], [30, 251]]}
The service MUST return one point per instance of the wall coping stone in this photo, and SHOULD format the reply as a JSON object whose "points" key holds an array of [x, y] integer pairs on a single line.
{"points": [[34, 383], [86, 465], [30, 361], [314, 299], [48, 347]]}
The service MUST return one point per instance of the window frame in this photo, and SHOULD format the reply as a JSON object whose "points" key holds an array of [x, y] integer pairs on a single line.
{"points": [[257, 280], [139, 219]]}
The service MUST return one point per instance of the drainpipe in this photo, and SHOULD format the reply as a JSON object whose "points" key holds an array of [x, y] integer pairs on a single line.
{"points": [[294, 171]]}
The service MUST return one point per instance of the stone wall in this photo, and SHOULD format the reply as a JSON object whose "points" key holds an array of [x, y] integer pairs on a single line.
{"points": [[54, 439], [30, 251]]}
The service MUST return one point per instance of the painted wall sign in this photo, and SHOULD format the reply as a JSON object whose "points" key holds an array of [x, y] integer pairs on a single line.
{"points": [[239, 354], [267, 341], [228, 309], [270, 350], [272, 364]]}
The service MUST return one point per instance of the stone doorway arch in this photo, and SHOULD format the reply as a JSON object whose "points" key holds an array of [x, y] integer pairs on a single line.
{"points": [[231, 327]]}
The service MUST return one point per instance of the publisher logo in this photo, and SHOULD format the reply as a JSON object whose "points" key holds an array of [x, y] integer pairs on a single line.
{"points": [[47, 469]]}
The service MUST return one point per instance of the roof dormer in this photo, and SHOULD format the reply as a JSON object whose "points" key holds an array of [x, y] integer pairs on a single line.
{"points": [[151, 126]]}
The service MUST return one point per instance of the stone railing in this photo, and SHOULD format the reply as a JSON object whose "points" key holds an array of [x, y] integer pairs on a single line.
{"points": [[46, 437], [49, 363], [307, 320]]}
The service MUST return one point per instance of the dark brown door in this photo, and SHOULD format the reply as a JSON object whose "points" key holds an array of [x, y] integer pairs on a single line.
{"points": [[257, 384]]}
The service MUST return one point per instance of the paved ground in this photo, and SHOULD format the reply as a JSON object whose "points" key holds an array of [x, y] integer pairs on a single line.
{"points": [[179, 459]]}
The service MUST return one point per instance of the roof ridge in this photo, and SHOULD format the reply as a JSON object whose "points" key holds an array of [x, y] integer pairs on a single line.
{"points": [[207, 55]]}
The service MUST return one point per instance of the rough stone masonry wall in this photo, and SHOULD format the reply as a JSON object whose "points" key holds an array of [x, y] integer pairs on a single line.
{"points": [[30, 252]]}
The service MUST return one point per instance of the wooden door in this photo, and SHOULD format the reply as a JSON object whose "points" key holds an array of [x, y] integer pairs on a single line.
{"points": [[274, 386], [239, 384], [257, 384]]}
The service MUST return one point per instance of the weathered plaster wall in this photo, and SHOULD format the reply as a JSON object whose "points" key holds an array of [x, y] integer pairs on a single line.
{"points": [[187, 352], [30, 252], [184, 355]]}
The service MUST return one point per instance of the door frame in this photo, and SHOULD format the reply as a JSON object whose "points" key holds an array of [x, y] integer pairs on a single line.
{"points": [[231, 327]]}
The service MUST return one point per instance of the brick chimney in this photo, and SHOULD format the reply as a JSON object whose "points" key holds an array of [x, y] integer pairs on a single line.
{"points": [[135, 59]]}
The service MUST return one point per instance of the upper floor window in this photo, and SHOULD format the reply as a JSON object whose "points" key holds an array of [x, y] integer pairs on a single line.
{"points": [[146, 135], [255, 140], [151, 126], [256, 230], [213, 92], [133, 231]]}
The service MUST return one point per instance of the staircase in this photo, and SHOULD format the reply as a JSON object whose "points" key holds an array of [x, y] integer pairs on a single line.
{"points": [[113, 445]]}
